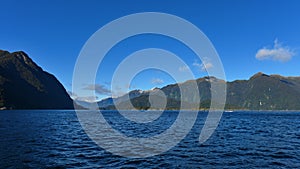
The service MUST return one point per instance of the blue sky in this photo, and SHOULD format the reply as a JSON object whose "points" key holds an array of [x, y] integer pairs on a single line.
{"points": [[249, 35]]}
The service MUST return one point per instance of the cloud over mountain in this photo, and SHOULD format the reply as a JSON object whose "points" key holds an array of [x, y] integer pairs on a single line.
{"points": [[100, 89], [157, 81], [277, 53], [183, 68], [205, 65]]}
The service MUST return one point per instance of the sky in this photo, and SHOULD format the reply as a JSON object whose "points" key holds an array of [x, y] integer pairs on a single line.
{"points": [[250, 36]]}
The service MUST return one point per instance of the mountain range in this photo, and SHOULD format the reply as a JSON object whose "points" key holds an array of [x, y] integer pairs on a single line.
{"points": [[260, 92], [25, 85]]}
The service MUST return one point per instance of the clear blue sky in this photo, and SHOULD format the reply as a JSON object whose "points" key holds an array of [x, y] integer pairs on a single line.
{"points": [[249, 35]]}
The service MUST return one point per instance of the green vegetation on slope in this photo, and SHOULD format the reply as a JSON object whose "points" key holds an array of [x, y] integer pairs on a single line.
{"points": [[24, 85]]}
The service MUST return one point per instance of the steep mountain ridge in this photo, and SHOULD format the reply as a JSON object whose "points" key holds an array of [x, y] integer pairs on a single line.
{"points": [[265, 92], [24, 85]]}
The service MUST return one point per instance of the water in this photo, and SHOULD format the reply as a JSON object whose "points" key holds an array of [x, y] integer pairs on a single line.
{"points": [[55, 139]]}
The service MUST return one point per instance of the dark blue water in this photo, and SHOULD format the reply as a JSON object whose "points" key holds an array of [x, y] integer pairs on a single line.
{"points": [[55, 139]]}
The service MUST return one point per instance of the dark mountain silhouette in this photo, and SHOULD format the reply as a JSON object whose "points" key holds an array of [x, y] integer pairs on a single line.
{"points": [[24, 85]]}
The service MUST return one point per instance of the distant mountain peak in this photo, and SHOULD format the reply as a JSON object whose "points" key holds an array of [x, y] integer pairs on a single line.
{"points": [[22, 56], [210, 79], [3, 53], [136, 90], [259, 74]]}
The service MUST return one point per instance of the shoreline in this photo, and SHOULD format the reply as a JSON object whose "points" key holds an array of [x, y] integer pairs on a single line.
{"points": [[201, 110]]}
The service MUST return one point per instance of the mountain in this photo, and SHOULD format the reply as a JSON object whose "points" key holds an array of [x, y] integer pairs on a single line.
{"points": [[265, 92], [142, 102], [24, 85], [130, 95], [260, 92]]}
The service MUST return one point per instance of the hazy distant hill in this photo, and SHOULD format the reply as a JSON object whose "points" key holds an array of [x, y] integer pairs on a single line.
{"points": [[24, 85], [260, 92]]}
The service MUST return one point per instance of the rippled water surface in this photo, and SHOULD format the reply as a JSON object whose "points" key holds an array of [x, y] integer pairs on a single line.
{"points": [[55, 139]]}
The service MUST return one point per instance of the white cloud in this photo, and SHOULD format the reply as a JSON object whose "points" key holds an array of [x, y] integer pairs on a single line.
{"points": [[119, 91], [100, 89], [206, 64], [277, 53], [157, 81], [87, 98], [74, 96], [183, 68]]}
